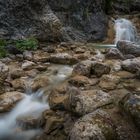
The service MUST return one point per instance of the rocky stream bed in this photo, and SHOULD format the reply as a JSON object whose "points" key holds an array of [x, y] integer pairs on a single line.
{"points": [[89, 94]]}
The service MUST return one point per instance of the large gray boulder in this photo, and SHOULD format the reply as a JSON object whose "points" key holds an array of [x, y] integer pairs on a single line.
{"points": [[68, 20]]}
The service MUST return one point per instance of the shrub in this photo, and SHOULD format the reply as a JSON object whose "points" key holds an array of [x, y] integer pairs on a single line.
{"points": [[27, 44]]}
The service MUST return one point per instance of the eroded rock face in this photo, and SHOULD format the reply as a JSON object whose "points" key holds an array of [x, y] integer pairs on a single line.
{"points": [[9, 99], [94, 126], [53, 20]]}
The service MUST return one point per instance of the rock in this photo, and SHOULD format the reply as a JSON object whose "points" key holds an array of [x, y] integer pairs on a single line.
{"points": [[9, 99], [41, 56], [115, 65], [27, 65], [40, 81], [28, 55], [63, 58], [82, 81], [16, 73], [94, 126], [29, 121], [19, 84], [19, 57], [49, 49], [125, 75], [131, 104], [99, 69], [114, 53], [58, 98], [132, 85], [127, 47], [131, 65], [125, 7], [88, 101], [83, 68], [109, 82], [57, 125]]}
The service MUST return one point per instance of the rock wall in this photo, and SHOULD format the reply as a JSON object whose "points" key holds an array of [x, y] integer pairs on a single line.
{"points": [[62, 20]]}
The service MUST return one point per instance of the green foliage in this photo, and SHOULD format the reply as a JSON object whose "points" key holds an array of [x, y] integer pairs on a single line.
{"points": [[3, 52], [27, 44]]}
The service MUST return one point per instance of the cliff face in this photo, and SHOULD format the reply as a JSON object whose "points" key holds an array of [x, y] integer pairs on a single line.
{"points": [[53, 20], [59, 20]]}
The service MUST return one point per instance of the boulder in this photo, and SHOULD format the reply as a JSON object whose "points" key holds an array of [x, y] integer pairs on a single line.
{"points": [[82, 81], [131, 104], [28, 55], [40, 56], [9, 99], [99, 69], [94, 126], [109, 82], [58, 98], [83, 68], [40, 81], [27, 65], [114, 53], [127, 47], [131, 65], [88, 101], [63, 58]]}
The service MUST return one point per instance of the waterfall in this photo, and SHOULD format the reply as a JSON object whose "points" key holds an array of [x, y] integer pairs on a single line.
{"points": [[125, 30]]}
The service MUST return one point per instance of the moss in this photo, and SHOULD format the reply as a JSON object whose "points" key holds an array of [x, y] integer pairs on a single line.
{"points": [[2, 50]]}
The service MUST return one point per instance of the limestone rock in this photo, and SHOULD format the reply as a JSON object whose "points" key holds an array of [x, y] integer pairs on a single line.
{"points": [[114, 53], [94, 126], [83, 68], [9, 99], [99, 69], [131, 65], [27, 65], [127, 47], [131, 104], [63, 58], [109, 82], [88, 101]]}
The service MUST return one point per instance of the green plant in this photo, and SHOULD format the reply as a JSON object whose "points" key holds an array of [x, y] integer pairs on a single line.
{"points": [[3, 52], [27, 44]]}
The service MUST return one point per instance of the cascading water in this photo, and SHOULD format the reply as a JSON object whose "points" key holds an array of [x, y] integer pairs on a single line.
{"points": [[125, 30], [32, 105]]}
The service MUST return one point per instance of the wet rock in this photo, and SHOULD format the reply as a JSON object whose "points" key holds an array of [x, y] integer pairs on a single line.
{"points": [[114, 53], [88, 101], [9, 99], [28, 55], [83, 68], [99, 69], [109, 82], [29, 121], [127, 47], [94, 126], [63, 58], [131, 65], [27, 65], [40, 81], [131, 104]]}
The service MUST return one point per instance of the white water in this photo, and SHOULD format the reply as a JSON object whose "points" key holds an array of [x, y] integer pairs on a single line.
{"points": [[33, 105], [125, 30]]}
